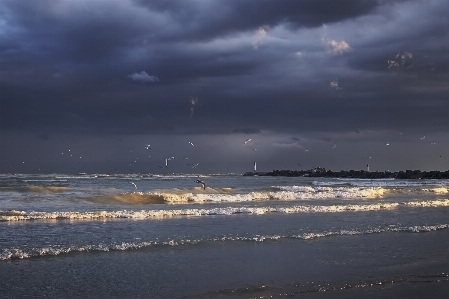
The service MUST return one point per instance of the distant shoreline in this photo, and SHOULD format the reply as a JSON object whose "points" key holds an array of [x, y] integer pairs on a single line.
{"points": [[357, 174]]}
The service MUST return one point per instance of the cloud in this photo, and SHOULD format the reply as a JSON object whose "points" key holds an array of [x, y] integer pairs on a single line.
{"points": [[260, 36], [193, 102], [334, 47], [338, 47], [43, 136], [144, 77], [246, 131], [334, 85], [287, 145], [402, 61]]}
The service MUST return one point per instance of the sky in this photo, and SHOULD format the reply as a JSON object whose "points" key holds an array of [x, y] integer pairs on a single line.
{"points": [[85, 86]]}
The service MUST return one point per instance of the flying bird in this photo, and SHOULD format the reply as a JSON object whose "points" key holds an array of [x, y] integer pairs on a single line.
{"points": [[147, 146], [247, 140], [191, 143], [133, 184], [168, 159]]}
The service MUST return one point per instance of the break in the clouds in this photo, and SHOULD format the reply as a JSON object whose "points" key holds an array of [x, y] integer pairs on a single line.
{"points": [[143, 77], [117, 74]]}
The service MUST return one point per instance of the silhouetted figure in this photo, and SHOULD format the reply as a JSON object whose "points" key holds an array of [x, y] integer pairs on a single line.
{"points": [[202, 183]]}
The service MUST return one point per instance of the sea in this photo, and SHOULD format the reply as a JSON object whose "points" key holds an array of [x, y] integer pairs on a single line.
{"points": [[164, 236]]}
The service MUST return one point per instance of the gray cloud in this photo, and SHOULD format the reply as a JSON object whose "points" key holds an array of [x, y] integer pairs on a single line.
{"points": [[144, 77], [72, 68], [246, 131]]}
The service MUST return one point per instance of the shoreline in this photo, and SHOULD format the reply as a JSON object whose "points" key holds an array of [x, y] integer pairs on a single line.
{"points": [[356, 174]]}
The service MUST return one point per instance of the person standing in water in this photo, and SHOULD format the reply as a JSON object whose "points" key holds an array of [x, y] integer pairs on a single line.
{"points": [[202, 183]]}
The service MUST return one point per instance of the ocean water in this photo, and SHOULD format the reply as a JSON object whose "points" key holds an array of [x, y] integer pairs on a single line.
{"points": [[163, 236]]}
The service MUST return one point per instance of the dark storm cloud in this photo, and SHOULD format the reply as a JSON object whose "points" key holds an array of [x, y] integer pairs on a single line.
{"points": [[246, 131], [312, 69], [229, 17]]}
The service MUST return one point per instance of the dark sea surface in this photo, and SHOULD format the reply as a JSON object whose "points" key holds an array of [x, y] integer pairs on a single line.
{"points": [[99, 236]]}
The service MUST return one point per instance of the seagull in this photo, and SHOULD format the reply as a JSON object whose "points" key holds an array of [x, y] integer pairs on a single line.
{"points": [[133, 184], [247, 140], [148, 146], [191, 143], [422, 138], [166, 161], [195, 165], [202, 183], [334, 146], [387, 143]]}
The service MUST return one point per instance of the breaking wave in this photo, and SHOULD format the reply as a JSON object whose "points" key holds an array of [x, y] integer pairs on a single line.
{"points": [[146, 214], [55, 250], [197, 194]]}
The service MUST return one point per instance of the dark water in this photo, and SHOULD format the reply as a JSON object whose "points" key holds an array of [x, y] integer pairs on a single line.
{"points": [[92, 237]]}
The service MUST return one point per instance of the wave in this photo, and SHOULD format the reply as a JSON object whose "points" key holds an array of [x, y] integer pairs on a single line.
{"points": [[55, 250], [321, 192], [14, 215], [389, 182], [35, 189], [197, 194]]}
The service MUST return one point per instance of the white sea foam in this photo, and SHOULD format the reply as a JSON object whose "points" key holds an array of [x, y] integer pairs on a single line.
{"points": [[143, 214], [381, 182], [197, 194], [55, 250], [322, 192], [429, 203]]}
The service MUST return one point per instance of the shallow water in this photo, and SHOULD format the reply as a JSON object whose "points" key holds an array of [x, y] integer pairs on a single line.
{"points": [[100, 237]]}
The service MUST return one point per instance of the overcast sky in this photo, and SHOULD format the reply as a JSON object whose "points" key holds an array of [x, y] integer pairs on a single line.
{"points": [[86, 85]]}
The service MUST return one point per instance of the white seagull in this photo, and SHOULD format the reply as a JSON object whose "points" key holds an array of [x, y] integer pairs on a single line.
{"points": [[191, 143], [247, 140], [148, 146], [133, 184]]}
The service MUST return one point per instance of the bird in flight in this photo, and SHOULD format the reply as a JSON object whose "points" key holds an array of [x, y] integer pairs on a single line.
{"points": [[133, 184], [247, 140], [147, 146], [191, 143]]}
